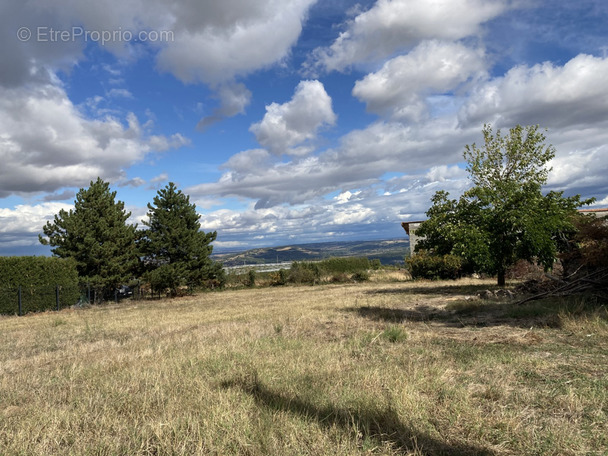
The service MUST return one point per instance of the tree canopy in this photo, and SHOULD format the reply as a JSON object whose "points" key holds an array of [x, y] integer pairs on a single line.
{"points": [[96, 235], [504, 216], [174, 249]]}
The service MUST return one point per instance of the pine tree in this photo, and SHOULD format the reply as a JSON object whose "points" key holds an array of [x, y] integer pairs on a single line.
{"points": [[174, 249], [96, 234]]}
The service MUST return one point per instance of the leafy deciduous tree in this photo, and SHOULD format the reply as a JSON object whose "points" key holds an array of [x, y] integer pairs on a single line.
{"points": [[95, 234], [504, 216]]}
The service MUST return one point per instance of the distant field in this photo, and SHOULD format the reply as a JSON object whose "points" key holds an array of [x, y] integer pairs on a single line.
{"points": [[370, 368]]}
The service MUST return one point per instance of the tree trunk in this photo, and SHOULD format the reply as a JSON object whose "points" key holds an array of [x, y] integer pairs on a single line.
{"points": [[501, 278]]}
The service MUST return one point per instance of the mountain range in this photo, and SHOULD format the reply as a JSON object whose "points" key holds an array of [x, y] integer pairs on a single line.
{"points": [[391, 251]]}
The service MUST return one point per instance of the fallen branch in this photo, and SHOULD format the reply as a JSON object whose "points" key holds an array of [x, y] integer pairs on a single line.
{"points": [[596, 279]]}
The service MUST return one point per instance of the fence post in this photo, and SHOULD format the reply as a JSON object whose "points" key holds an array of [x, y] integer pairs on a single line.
{"points": [[19, 299], [89, 292], [57, 296]]}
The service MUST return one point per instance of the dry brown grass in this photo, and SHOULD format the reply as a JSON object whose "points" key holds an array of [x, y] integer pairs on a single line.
{"points": [[382, 368]]}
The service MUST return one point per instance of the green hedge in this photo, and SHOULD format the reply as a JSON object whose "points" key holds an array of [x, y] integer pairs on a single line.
{"points": [[345, 265], [424, 265], [38, 278]]}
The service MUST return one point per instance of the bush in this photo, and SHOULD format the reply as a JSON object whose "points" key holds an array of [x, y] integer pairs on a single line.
{"points": [[340, 278], [38, 278], [278, 278], [304, 272], [251, 278], [425, 265], [361, 276]]}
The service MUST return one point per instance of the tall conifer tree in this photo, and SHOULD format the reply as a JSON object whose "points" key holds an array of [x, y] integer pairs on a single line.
{"points": [[174, 249], [96, 234]]}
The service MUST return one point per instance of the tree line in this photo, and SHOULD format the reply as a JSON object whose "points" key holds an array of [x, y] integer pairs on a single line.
{"points": [[171, 252]]}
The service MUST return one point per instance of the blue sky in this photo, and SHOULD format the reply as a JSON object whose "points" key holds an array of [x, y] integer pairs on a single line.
{"points": [[288, 121]]}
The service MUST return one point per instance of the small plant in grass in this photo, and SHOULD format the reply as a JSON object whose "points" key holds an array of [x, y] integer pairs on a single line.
{"points": [[394, 334], [58, 322]]}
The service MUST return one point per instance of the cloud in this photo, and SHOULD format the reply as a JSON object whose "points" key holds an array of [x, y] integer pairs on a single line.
{"points": [[360, 160], [351, 215], [363, 156], [291, 127], [46, 143], [221, 40], [571, 101], [65, 195], [583, 170], [248, 161], [234, 98], [205, 42], [120, 93], [394, 26], [164, 177], [135, 182], [575, 94], [23, 223], [399, 89]]}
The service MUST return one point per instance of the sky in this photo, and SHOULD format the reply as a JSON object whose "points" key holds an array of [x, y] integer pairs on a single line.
{"points": [[288, 121]]}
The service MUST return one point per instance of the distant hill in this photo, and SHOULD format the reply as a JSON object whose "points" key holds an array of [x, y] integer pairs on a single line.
{"points": [[387, 251]]}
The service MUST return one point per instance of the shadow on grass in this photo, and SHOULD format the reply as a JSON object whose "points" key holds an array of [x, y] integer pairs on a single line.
{"points": [[419, 313], [382, 426], [442, 290], [483, 313]]}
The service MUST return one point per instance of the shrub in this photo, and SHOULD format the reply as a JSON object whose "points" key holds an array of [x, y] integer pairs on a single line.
{"points": [[251, 278], [304, 272], [360, 276], [340, 278], [278, 278], [425, 265]]}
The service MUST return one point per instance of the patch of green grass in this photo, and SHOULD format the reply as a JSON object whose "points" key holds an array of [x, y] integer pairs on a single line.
{"points": [[394, 334], [466, 307]]}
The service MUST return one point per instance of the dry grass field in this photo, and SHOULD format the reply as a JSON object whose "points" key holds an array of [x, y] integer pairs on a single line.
{"points": [[371, 368]]}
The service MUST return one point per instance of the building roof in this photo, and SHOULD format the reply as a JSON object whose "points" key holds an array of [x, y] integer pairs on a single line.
{"points": [[594, 210], [406, 225]]}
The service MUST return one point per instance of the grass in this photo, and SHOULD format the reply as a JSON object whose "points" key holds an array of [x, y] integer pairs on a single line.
{"points": [[369, 368]]}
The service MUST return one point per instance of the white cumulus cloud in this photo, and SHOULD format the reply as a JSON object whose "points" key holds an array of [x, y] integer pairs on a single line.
{"points": [[289, 128], [393, 26], [46, 143], [399, 89]]}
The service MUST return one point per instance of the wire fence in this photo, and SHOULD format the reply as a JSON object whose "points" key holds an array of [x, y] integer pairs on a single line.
{"points": [[27, 299]]}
